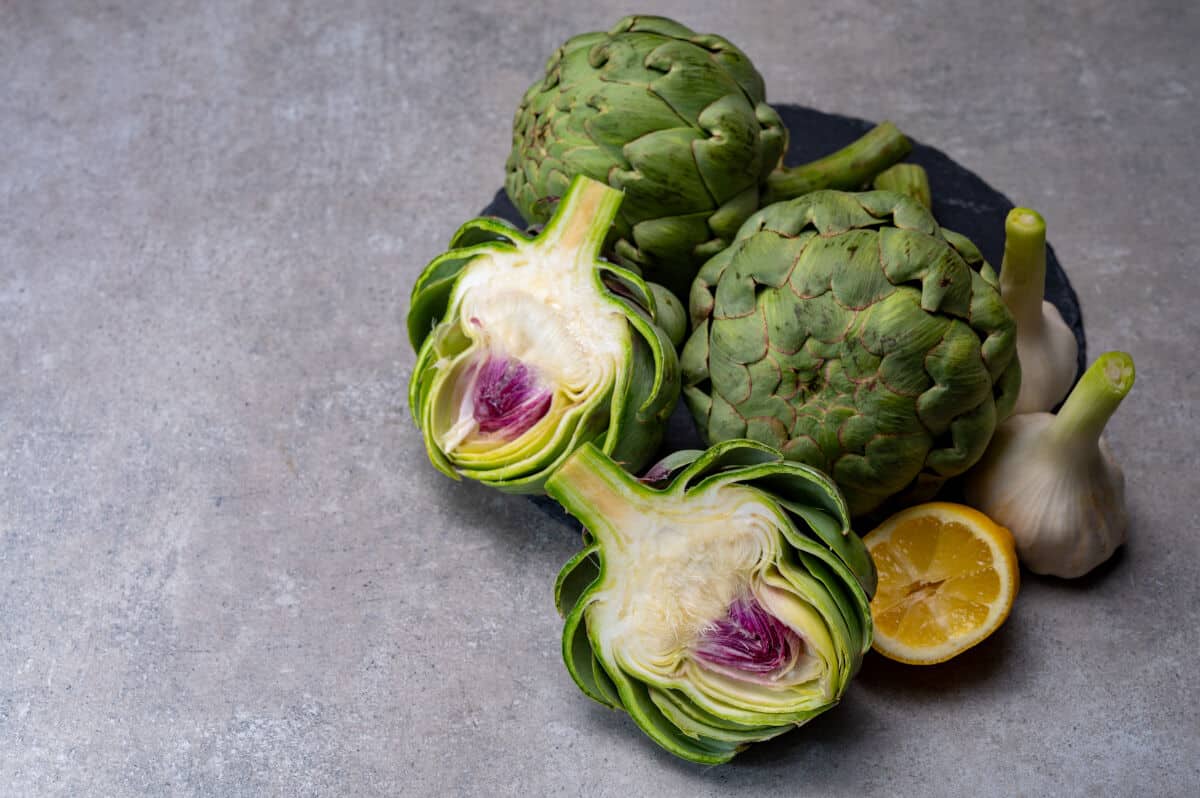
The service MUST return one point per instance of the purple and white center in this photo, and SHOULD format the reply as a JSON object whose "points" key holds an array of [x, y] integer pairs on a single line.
{"points": [[750, 642], [507, 398]]}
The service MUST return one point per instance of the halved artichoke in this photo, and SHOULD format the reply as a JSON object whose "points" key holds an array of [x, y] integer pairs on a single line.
{"points": [[529, 347], [679, 121], [724, 608], [858, 336]]}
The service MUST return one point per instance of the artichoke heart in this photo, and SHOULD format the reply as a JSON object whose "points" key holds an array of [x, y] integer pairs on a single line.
{"points": [[856, 335], [724, 608], [507, 366], [529, 347]]}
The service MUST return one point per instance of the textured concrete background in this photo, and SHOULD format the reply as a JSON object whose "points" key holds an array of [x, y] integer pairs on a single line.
{"points": [[225, 565]]}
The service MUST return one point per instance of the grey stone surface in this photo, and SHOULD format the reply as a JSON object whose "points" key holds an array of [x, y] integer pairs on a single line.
{"points": [[226, 568]]}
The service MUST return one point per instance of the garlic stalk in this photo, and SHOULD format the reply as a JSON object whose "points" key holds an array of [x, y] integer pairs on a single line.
{"points": [[1046, 346], [1052, 480]]}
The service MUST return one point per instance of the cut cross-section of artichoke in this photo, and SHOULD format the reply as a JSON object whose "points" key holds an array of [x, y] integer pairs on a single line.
{"points": [[724, 608], [528, 347]]}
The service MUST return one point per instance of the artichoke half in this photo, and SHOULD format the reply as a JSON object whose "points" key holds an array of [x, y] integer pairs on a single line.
{"points": [[724, 608], [859, 337], [530, 347], [679, 122]]}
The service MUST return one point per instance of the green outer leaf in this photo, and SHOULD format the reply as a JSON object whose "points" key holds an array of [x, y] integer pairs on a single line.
{"points": [[665, 469], [418, 392], [581, 662], [909, 179], [670, 314], [724, 455], [580, 573], [575, 582], [488, 229], [652, 395], [694, 722], [840, 539], [635, 696]]}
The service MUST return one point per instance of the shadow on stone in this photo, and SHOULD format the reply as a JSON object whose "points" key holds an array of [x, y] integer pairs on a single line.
{"points": [[1089, 581], [882, 676]]}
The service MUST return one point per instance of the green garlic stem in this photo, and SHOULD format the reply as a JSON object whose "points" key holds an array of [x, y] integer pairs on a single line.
{"points": [[908, 179], [1093, 400], [1023, 270], [849, 168], [582, 219], [597, 491]]}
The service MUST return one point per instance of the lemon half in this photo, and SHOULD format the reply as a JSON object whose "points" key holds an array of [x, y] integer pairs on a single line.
{"points": [[947, 579]]}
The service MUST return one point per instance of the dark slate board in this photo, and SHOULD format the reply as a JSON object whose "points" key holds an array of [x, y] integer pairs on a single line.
{"points": [[961, 202]]}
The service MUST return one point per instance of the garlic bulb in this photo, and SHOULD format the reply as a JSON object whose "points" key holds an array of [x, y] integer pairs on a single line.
{"points": [[1052, 480], [1046, 346]]}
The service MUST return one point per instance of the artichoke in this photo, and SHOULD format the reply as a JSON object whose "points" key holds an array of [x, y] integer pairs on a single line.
{"points": [[856, 335], [529, 347], [679, 121], [724, 608], [909, 179]]}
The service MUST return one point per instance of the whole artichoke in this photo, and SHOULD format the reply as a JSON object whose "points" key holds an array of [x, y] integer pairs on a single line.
{"points": [[727, 607], [679, 122], [529, 347], [856, 335]]}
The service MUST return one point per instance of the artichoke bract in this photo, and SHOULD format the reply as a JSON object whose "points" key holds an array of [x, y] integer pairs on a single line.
{"points": [[679, 121], [529, 347], [855, 334], [724, 608]]}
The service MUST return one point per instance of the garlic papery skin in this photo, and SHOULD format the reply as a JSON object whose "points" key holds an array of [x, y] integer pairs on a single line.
{"points": [[1046, 346], [1053, 482]]}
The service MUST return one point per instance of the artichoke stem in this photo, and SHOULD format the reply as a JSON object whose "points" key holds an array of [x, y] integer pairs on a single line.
{"points": [[908, 179], [1023, 270], [598, 492], [582, 219], [849, 168], [1093, 401]]}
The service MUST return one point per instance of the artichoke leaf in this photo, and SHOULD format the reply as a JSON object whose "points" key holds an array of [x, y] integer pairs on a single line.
{"points": [[696, 723], [575, 578], [487, 230]]}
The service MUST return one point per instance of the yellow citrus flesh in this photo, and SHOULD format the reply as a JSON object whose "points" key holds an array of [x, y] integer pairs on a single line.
{"points": [[947, 579]]}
